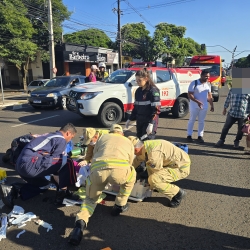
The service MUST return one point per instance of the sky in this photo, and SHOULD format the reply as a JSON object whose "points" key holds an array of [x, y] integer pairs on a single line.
{"points": [[215, 22]]}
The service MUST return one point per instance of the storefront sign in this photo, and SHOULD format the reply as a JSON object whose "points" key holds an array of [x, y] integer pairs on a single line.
{"points": [[78, 56], [111, 57]]}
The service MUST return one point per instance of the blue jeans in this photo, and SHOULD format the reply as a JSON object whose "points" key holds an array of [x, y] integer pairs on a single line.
{"points": [[228, 124]]}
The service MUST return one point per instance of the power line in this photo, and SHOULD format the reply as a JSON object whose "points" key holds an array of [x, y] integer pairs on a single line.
{"points": [[150, 7], [136, 11]]}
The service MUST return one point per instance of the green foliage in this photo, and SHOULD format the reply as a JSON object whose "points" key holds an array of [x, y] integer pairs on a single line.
{"points": [[92, 37], [167, 41], [243, 62]]}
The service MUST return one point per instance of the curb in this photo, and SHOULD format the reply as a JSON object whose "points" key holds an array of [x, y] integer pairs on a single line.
{"points": [[14, 104]]}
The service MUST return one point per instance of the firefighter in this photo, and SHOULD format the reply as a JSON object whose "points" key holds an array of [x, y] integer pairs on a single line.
{"points": [[45, 155], [90, 136], [101, 73], [165, 164], [112, 163], [146, 106]]}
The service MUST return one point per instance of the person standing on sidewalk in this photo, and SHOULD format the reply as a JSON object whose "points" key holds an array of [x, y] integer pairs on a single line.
{"points": [[199, 93], [239, 110]]}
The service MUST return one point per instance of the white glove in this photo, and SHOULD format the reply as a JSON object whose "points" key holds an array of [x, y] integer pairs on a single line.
{"points": [[45, 225], [149, 129], [127, 124]]}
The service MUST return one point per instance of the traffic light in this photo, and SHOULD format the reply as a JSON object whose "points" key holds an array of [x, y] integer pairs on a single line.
{"points": [[203, 46]]}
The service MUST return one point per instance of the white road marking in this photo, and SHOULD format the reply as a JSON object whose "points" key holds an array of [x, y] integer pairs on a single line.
{"points": [[34, 121]]}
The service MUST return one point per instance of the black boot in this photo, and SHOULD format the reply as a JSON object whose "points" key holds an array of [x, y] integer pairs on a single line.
{"points": [[75, 236], [116, 210], [8, 193], [62, 194], [176, 200]]}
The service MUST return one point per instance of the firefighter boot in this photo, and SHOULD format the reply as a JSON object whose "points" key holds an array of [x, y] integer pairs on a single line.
{"points": [[176, 200], [75, 236], [116, 210], [8, 193]]}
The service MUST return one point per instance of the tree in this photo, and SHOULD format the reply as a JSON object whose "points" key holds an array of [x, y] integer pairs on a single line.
{"points": [[92, 37], [243, 62], [16, 32]]}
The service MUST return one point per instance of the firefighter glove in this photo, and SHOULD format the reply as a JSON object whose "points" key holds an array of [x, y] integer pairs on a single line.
{"points": [[149, 129]]}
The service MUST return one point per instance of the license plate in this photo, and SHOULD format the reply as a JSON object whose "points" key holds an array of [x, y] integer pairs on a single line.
{"points": [[37, 101]]}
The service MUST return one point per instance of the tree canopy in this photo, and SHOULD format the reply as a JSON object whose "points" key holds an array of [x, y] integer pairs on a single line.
{"points": [[243, 62], [24, 30], [91, 37], [168, 40]]}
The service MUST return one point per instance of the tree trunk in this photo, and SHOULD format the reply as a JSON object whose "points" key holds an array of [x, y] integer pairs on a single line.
{"points": [[25, 72]]}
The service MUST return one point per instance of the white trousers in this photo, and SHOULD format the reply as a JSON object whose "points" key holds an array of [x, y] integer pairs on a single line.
{"points": [[194, 113]]}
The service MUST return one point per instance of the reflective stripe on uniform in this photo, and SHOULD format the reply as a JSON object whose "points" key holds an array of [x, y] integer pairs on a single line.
{"points": [[45, 141], [130, 176], [87, 207], [155, 104], [150, 145], [124, 192], [109, 163], [172, 172], [142, 103]]}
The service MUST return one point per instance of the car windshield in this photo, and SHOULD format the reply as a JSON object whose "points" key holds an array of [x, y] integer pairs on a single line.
{"points": [[214, 69], [58, 82], [119, 76]]}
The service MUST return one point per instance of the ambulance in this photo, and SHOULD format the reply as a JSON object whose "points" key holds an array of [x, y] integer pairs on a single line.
{"points": [[113, 98]]}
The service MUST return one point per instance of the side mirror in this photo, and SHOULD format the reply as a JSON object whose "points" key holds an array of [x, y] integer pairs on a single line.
{"points": [[133, 83]]}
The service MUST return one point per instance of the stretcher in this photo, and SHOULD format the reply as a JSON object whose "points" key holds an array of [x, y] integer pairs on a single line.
{"points": [[139, 193]]}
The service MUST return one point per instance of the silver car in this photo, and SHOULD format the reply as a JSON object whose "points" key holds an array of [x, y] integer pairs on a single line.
{"points": [[35, 84]]}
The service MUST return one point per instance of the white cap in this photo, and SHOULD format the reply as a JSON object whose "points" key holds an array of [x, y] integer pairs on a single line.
{"points": [[94, 67], [102, 64]]}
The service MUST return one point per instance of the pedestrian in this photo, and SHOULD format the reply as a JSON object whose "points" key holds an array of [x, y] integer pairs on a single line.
{"points": [[45, 155], [92, 75], [102, 73], [238, 111], [199, 93], [146, 106], [90, 136], [112, 163], [166, 163]]}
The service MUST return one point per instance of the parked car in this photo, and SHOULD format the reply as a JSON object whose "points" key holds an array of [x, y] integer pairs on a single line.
{"points": [[223, 78], [36, 84], [52, 94]]}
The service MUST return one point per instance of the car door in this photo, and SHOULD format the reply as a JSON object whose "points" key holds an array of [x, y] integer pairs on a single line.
{"points": [[166, 85]]}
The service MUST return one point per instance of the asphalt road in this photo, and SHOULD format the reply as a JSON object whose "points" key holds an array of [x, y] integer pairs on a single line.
{"points": [[214, 215]]}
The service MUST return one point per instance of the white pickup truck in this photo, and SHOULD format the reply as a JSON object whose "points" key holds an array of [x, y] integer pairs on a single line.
{"points": [[112, 99]]}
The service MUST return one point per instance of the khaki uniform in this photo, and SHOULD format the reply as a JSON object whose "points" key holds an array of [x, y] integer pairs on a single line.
{"points": [[165, 164], [111, 163], [90, 148]]}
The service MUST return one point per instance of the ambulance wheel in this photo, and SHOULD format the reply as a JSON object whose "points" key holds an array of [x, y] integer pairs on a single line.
{"points": [[181, 107], [110, 113]]}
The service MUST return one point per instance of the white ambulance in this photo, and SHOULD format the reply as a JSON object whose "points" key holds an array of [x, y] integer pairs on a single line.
{"points": [[112, 99]]}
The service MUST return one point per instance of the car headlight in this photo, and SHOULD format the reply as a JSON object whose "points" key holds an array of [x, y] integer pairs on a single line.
{"points": [[215, 83], [52, 95], [89, 95]]}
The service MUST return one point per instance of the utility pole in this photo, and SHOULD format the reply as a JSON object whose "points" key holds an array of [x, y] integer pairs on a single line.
{"points": [[232, 63], [119, 34], [51, 42]]}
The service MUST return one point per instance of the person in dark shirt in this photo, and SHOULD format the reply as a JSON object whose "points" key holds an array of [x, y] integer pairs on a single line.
{"points": [[146, 106], [42, 156]]}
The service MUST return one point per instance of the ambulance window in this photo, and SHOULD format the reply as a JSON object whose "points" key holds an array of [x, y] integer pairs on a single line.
{"points": [[162, 76]]}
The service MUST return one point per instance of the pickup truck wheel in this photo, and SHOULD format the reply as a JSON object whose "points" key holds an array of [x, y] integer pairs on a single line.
{"points": [[110, 113], [63, 103], [181, 107]]}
